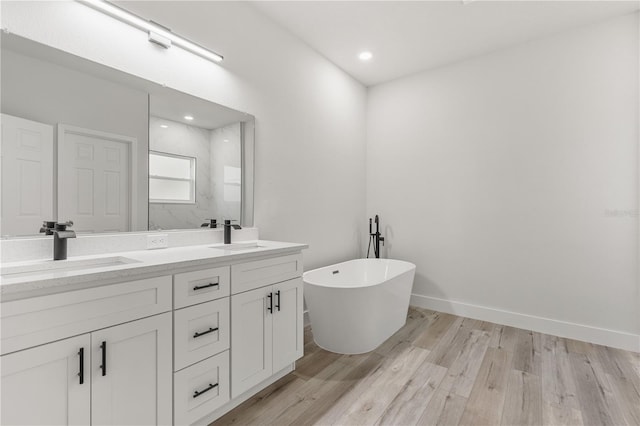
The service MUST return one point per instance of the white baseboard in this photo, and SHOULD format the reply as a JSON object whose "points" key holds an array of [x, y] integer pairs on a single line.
{"points": [[601, 336]]}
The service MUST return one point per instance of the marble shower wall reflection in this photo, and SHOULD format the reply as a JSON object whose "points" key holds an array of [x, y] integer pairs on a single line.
{"points": [[218, 154], [226, 171]]}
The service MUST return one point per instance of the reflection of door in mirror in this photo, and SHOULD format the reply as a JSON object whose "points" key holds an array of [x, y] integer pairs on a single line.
{"points": [[95, 188], [50, 87], [27, 175]]}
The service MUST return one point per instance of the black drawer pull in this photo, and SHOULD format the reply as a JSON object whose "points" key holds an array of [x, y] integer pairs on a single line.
{"points": [[278, 303], [200, 287], [270, 307], [103, 346], [81, 372], [198, 393], [210, 330]]}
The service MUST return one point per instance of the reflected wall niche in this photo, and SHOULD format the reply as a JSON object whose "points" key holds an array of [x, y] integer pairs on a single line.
{"points": [[216, 182]]}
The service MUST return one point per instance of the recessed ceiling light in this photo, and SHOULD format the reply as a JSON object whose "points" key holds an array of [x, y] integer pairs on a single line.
{"points": [[164, 126], [226, 140], [188, 117], [365, 56]]}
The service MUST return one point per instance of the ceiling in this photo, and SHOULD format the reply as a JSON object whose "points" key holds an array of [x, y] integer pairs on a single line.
{"points": [[408, 37], [173, 105], [164, 102]]}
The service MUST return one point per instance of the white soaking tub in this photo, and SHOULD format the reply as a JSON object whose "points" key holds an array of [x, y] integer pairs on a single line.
{"points": [[354, 306]]}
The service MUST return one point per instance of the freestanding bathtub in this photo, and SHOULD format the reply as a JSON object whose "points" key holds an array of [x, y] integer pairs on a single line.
{"points": [[354, 306]]}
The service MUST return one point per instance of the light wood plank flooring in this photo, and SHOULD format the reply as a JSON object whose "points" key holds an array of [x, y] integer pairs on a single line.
{"points": [[440, 369]]}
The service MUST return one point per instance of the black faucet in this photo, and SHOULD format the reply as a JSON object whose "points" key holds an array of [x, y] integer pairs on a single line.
{"points": [[213, 223], [376, 237], [227, 230], [60, 235]]}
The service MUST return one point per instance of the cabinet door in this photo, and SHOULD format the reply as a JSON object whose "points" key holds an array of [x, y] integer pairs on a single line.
{"points": [[251, 356], [41, 386], [288, 323], [131, 373]]}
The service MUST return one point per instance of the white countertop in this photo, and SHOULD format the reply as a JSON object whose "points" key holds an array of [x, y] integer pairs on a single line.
{"points": [[143, 263]]}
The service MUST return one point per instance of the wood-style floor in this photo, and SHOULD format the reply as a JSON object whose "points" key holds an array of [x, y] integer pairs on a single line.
{"points": [[447, 370]]}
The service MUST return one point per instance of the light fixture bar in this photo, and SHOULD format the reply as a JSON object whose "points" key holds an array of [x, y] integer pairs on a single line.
{"points": [[138, 22]]}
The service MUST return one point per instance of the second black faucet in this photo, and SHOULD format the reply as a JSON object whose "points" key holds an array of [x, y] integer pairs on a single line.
{"points": [[227, 230]]}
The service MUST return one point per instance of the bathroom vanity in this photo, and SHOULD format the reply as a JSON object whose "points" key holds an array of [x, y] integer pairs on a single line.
{"points": [[178, 335], [174, 336]]}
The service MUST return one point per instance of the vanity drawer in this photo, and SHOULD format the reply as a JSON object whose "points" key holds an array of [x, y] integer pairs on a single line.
{"points": [[37, 320], [250, 275], [190, 288], [200, 331], [190, 403]]}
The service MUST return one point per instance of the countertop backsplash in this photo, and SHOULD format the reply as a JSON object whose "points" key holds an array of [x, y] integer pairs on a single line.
{"points": [[41, 247]]}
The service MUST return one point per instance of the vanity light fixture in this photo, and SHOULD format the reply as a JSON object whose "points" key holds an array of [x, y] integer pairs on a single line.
{"points": [[188, 117], [157, 33], [365, 56]]}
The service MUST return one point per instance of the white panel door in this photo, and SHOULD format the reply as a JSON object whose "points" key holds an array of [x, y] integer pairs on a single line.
{"points": [[288, 323], [95, 184], [132, 372], [251, 344], [27, 175], [41, 386]]}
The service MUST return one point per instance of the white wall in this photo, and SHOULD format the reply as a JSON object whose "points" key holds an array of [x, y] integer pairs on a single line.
{"points": [[511, 180], [310, 116]]}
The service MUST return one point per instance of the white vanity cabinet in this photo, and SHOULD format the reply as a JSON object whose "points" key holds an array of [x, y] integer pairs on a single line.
{"points": [[43, 386], [267, 331], [131, 373], [119, 375], [266, 334], [181, 348], [201, 343], [121, 353]]}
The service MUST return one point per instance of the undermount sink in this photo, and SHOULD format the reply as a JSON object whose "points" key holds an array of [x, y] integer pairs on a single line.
{"points": [[238, 246], [62, 266]]}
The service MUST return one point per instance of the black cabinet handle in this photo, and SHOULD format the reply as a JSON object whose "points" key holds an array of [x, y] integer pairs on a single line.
{"points": [[103, 347], [200, 287], [81, 372], [198, 393], [270, 307], [278, 304], [210, 330]]}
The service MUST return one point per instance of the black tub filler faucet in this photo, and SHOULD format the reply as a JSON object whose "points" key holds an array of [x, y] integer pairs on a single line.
{"points": [[60, 235], [375, 237]]}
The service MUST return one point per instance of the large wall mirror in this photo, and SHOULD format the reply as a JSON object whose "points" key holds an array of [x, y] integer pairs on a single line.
{"points": [[114, 152]]}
